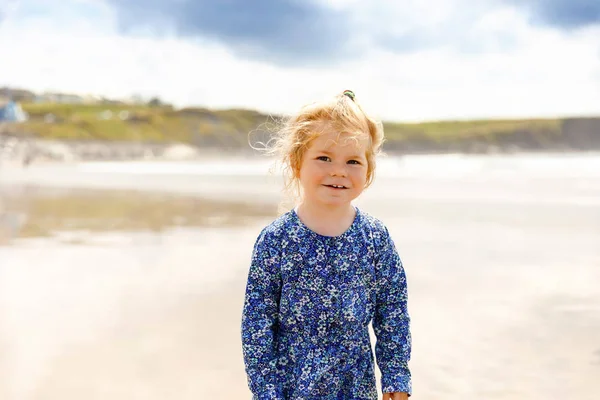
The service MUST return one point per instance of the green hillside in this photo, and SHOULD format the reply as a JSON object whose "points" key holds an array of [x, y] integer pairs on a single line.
{"points": [[230, 128]]}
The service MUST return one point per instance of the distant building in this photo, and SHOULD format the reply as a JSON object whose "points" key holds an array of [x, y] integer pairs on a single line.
{"points": [[64, 98], [12, 112]]}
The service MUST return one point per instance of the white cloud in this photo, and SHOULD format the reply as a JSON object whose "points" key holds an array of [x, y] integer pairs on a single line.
{"points": [[541, 72]]}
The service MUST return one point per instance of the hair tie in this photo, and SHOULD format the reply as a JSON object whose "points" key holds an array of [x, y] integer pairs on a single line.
{"points": [[350, 94]]}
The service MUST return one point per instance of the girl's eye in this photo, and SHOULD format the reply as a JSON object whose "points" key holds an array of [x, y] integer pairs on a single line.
{"points": [[323, 158], [354, 162]]}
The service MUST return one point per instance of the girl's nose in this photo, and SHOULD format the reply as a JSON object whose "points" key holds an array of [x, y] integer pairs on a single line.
{"points": [[338, 170]]}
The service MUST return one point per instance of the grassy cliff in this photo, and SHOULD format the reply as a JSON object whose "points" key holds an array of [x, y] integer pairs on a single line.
{"points": [[229, 129]]}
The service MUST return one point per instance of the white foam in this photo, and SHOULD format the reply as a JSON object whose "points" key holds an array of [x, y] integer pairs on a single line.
{"points": [[434, 166]]}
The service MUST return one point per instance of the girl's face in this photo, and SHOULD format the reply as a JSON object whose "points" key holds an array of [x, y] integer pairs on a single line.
{"points": [[334, 169]]}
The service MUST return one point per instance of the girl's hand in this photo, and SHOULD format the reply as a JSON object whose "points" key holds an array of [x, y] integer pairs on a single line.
{"points": [[395, 396]]}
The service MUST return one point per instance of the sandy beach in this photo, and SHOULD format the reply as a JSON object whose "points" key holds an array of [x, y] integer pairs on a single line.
{"points": [[115, 283]]}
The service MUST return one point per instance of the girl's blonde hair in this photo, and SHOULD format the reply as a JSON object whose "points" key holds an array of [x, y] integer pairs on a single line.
{"points": [[341, 113]]}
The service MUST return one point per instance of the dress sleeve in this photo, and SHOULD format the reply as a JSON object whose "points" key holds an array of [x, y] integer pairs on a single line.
{"points": [[260, 321], [391, 322]]}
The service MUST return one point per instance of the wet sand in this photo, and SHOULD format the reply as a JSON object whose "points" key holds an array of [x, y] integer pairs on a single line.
{"points": [[502, 282]]}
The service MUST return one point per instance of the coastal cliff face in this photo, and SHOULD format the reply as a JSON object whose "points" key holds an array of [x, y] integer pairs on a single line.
{"points": [[582, 133]]}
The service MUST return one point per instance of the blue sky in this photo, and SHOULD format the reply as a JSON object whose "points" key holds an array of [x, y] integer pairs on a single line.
{"points": [[406, 60]]}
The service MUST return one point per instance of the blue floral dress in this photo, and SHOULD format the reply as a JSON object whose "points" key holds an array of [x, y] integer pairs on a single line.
{"points": [[308, 304]]}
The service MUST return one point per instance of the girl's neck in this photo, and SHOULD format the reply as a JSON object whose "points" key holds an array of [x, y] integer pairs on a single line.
{"points": [[324, 220]]}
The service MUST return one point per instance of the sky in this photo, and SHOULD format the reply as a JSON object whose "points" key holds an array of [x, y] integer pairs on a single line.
{"points": [[405, 60]]}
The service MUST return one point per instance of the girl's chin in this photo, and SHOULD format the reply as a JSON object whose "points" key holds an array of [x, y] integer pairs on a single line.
{"points": [[335, 202], [340, 198]]}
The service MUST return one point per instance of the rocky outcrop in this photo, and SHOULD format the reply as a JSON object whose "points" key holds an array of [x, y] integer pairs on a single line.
{"points": [[581, 133], [25, 151]]}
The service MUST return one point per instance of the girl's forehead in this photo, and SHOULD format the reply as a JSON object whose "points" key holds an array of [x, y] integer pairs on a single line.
{"points": [[331, 140]]}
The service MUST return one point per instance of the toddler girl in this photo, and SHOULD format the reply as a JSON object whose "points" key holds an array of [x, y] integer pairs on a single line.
{"points": [[324, 270]]}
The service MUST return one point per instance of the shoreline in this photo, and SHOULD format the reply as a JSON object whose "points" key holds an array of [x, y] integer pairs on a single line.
{"points": [[24, 151]]}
